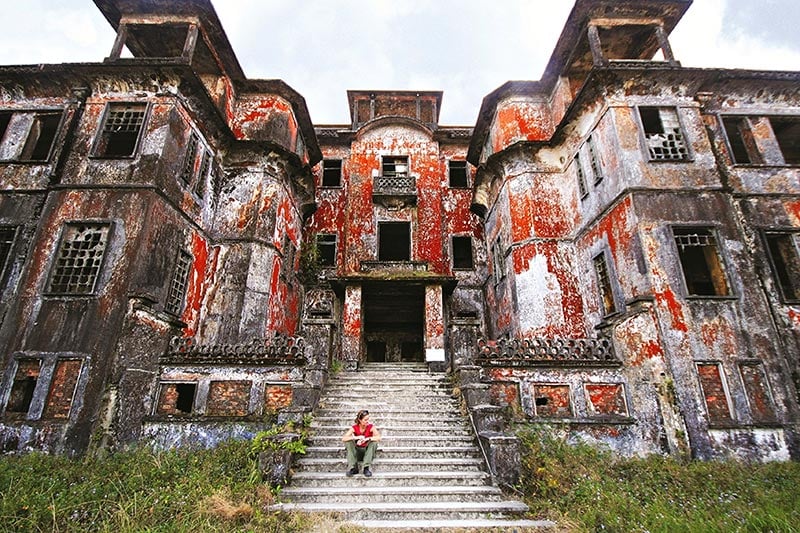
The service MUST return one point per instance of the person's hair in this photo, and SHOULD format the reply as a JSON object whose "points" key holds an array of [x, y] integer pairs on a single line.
{"points": [[361, 414]]}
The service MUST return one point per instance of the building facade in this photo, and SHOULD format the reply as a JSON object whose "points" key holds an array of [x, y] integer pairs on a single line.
{"points": [[612, 249]]}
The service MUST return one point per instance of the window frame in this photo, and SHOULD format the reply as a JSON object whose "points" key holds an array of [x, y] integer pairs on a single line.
{"points": [[595, 162], [26, 143], [395, 159], [450, 184], [794, 235], [48, 291], [182, 257], [5, 262], [583, 189], [333, 243], [340, 173], [721, 259], [726, 390], [98, 138], [643, 135], [465, 238], [612, 293], [498, 261]]}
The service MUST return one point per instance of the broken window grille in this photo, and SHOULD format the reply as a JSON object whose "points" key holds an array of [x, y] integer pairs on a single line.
{"points": [[120, 132], [715, 393], [395, 167], [62, 389], [8, 235], [23, 386], [701, 262], [499, 261], [288, 251], [394, 241], [457, 172], [205, 167], [179, 284], [785, 259], [604, 284], [594, 158], [462, 252], [582, 189], [79, 260], [663, 135], [189, 160], [326, 249], [332, 173], [787, 134], [176, 399], [41, 136], [741, 141]]}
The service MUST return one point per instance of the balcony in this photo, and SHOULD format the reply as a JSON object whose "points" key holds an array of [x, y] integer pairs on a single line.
{"points": [[394, 190]]}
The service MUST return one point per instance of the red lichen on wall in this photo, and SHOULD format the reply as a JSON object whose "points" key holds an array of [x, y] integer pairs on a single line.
{"points": [[504, 393], [551, 400], [793, 209], [62, 389], [719, 338], [538, 208], [228, 398], [268, 118], [667, 298], [197, 284], [606, 399], [520, 121], [714, 392], [277, 397]]}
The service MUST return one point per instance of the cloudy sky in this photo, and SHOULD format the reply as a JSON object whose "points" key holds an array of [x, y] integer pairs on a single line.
{"points": [[463, 47]]}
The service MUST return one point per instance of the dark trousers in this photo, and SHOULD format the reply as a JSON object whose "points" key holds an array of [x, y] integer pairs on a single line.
{"points": [[359, 453]]}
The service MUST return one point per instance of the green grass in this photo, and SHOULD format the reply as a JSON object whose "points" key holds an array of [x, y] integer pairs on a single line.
{"points": [[579, 487], [590, 490]]}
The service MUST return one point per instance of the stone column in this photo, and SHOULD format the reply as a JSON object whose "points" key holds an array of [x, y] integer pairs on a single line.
{"points": [[434, 325], [351, 327]]}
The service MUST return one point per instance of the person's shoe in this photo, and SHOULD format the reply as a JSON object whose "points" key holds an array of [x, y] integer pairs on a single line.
{"points": [[353, 471], [367, 472]]}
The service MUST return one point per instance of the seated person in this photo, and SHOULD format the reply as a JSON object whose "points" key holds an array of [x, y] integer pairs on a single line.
{"points": [[361, 442]]}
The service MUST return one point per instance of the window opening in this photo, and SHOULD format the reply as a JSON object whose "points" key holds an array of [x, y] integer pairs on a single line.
{"points": [[714, 392], [604, 284], [185, 400], [787, 134], [597, 170], [331, 172], [179, 284], [326, 249], [41, 136], [741, 141], [19, 401], [457, 170], [395, 166], [582, 189], [5, 119], [701, 262], [120, 132], [80, 257], [187, 172], [8, 235], [551, 400], [394, 241], [462, 252], [663, 134], [783, 253]]}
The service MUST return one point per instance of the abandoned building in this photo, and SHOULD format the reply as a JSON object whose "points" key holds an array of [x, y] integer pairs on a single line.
{"points": [[613, 248]]}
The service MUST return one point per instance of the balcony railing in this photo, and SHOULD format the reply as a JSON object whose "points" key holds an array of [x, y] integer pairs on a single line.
{"points": [[394, 189]]}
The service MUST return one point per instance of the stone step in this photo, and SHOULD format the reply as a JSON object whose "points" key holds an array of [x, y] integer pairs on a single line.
{"points": [[399, 452], [378, 416], [469, 525], [418, 418], [403, 511], [376, 382], [410, 464], [395, 440], [391, 479], [397, 431], [376, 494]]}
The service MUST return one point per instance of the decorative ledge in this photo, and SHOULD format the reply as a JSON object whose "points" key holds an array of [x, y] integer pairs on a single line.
{"points": [[281, 350], [394, 266], [540, 351]]}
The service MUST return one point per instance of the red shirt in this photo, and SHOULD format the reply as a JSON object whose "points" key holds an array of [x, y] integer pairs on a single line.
{"points": [[367, 433]]}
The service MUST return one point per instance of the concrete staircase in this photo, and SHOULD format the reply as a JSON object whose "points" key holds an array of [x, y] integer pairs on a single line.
{"points": [[428, 472]]}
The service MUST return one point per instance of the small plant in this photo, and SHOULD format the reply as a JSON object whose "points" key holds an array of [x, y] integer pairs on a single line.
{"points": [[310, 263], [336, 366]]}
